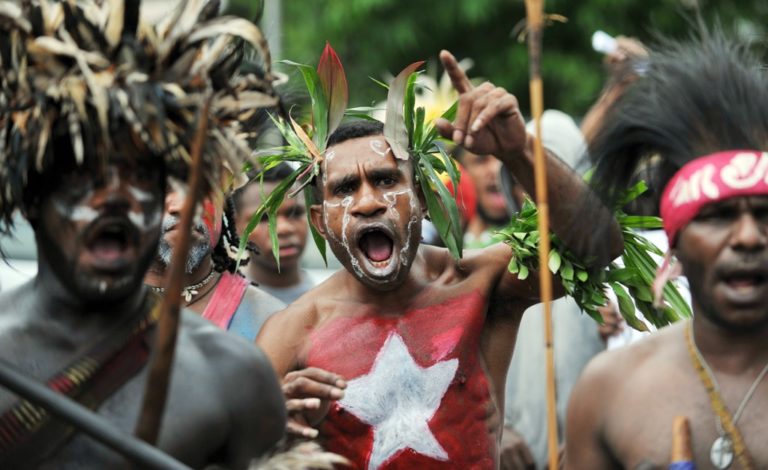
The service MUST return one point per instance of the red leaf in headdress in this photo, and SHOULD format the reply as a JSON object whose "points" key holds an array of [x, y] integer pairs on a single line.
{"points": [[334, 83]]}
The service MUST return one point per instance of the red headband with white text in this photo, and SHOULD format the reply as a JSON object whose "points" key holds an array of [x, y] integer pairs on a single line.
{"points": [[709, 179]]}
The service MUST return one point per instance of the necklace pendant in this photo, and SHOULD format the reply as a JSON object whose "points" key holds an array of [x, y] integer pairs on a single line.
{"points": [[188, 294], [721, 453]]}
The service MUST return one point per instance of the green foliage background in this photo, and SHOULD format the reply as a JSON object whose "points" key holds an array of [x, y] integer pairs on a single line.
{"points": [[378, 38]]}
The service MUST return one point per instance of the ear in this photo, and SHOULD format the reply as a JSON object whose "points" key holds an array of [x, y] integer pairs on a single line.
{"points": [[316, 216], [422, 199]]}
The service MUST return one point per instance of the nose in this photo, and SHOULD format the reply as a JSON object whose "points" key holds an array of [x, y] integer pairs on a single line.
{"points": [[749, 234], [285, 226], [111, 193], [173, 202], [369, 203]]}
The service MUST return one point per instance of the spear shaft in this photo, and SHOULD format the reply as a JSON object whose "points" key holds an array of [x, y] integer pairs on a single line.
{"points": [[80, 417], [156, 389], [534, 12]]}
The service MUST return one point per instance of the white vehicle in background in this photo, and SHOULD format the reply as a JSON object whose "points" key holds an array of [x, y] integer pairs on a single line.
{"points": [[20, 253]]}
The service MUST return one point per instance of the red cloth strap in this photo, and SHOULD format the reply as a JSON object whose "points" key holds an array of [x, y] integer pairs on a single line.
{"points": [[225, 300]]}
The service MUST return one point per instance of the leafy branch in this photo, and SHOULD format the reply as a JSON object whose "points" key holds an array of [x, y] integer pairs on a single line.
{"points": [[631, 282]]}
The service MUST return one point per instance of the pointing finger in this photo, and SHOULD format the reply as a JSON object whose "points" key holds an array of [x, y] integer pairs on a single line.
{"points": [[458, 77]]}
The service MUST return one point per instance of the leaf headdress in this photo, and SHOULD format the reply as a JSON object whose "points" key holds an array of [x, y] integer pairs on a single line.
{"points": [[84, 69], [405, 129]]}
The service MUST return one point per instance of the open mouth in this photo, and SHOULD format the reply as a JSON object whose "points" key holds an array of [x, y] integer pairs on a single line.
{"points": [[495, 196], [377, 246], [109, 242], [745, 280]]}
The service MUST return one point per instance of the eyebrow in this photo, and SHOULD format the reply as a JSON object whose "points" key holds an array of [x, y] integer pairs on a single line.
{"points": [[350, 179], [385, 173]]}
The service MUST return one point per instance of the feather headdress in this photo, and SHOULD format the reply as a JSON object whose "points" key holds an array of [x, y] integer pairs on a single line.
{"points": [[405, 128], [85, 69]]}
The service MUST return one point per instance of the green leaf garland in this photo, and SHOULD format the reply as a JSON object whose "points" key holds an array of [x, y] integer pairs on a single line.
{"points": [[631, 282]]}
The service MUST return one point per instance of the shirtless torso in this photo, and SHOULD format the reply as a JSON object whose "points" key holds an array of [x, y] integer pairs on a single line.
{"points": [[433, 357], [627, 413], [41, 343]]}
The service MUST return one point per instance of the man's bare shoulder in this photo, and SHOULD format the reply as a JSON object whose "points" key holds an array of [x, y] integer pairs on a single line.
{"points": [[205, 344], [438, 262], [266, 302], [651, 355], [14, 301]]}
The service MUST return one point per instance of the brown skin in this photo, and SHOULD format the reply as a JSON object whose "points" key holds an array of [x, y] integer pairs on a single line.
{"points": [[364, 178], [292, 230], [55, 318], [621, 411]]}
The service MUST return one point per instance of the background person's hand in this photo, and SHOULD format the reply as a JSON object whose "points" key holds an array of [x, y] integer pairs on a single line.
{"points": [[612, 321], [514, 452]]}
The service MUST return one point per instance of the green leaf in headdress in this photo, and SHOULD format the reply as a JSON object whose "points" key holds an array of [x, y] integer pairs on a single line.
{"points": [[319, 103], [395, 126]]}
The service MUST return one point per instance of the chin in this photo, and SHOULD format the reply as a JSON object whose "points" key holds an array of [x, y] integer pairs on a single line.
{"points": [[106, 289], [741, 321]]}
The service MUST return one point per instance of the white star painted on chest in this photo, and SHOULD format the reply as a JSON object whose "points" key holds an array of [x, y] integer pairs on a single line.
{"points": [[398, 398]]}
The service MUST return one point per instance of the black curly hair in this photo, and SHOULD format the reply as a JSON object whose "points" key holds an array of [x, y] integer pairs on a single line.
{"points": [[222, 254], [703, 95]]}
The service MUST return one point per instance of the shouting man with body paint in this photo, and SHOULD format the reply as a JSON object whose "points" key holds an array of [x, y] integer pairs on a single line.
{"points": [[94, 120], [701, 112], [400, 359]]}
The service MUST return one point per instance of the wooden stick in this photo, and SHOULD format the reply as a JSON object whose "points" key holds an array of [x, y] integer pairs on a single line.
{"points": [[101, 430], [682, 452], [534, 12], [156, 389]]}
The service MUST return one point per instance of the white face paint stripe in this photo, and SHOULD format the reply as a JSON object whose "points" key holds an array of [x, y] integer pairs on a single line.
{"points": [[379, 149], [329, 154], [391, 199], [347, 203], [87, 214]]}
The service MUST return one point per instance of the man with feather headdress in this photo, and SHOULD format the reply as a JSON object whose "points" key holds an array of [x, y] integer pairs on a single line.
{"points": [[97, 114]]}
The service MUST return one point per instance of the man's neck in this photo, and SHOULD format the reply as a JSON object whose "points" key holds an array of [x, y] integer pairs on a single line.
{"points": [[401, 296], [287, 277], [730, 351], [156, 273], [78, 320], [477, 226]]}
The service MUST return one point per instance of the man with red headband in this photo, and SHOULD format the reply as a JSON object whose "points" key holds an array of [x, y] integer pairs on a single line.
{"points": [[213, 287], [701, 113]]}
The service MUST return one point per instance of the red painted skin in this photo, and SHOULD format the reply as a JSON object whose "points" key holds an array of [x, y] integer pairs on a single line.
{"points": [[212, 220], [432, 334]]}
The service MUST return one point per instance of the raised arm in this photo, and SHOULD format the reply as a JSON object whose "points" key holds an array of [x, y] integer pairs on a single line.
{"points": [[489, 121]]}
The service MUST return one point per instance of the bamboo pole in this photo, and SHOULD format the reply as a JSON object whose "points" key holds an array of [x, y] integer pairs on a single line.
{"points": [[156, 389], [534, 12]]}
